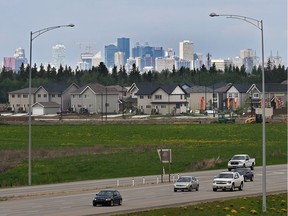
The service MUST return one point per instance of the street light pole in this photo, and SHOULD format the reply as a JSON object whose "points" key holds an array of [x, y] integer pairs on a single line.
{"points": [[258, 24], [34, 35]]}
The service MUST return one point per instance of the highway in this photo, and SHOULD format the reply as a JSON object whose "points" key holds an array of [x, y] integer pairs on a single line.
{"points": [[139, 193]]}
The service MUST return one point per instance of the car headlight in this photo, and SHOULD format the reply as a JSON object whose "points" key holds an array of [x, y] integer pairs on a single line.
{"points": [[108, 199], [214, 182]]}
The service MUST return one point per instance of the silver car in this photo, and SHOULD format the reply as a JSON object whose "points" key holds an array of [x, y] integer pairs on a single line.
{"points": [[186, 183]]}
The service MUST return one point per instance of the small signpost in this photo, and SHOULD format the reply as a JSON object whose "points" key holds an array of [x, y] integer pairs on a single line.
{"points": [[165, 156]]}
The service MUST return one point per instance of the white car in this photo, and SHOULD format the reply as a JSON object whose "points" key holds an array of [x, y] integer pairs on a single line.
{"points": [[186, 183], [228, 180]]}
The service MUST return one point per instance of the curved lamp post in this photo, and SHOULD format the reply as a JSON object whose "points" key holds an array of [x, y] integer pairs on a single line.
{"points": [[258, 24], [34, 35]]}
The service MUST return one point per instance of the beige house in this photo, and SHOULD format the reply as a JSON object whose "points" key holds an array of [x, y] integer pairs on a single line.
{"points": [[52, 92], [95, 98], [159, 98], [19, 100]]}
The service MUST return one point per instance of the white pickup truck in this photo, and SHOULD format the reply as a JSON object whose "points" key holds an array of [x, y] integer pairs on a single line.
{"points": [[241, 160]]}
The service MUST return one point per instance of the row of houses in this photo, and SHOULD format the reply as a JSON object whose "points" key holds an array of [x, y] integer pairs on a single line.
{"points": [[145, 98]]}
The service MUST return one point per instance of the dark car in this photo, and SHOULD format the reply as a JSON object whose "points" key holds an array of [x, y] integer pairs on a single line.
{"points": [[107, 197], [247, 173]]}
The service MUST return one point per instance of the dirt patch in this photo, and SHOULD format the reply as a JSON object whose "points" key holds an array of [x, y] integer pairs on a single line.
{"points": [[205, 164]]}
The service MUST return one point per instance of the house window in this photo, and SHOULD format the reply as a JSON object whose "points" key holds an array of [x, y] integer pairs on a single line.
{"points": [[19, 96], [59, 95], [79, 105], [141, 96], [25, 96], [255, 95], [158, 97], [90, 105], [163, 106], [149, 97], [230, 95], [236, 95], [53, 95], [106, 104], [148, 106], [178, 105], [45, 95], [13, 96], [39, 95]]}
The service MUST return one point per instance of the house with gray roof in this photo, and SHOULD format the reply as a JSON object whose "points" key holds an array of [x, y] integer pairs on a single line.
{"points": [[162, 99], [19, 99], [95, 98]]}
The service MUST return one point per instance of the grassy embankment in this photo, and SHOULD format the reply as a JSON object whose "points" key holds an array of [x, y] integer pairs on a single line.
{"points": [[63, 153], [246, 206]]}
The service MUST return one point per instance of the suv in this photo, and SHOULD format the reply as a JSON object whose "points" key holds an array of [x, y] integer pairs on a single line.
{"points": [[228, 180], [186, 183]]}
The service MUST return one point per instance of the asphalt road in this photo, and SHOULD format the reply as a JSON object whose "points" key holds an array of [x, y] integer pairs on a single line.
{"points": [[138, 193]]}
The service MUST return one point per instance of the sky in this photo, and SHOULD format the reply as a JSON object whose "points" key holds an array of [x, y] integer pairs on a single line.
{"points": [[161, 23]]}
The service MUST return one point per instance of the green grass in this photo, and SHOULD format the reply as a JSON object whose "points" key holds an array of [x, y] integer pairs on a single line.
{"points": [[276, 206], [63, 153]]}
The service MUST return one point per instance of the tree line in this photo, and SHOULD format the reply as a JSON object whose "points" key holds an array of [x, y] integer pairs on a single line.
{"points": [[11, 80]]}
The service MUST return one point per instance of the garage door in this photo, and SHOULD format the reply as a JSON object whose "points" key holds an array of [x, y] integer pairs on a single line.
{"points": [[37, 111]]}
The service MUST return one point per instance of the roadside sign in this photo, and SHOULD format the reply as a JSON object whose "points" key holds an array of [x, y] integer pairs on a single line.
{"points": [[165, 155]]}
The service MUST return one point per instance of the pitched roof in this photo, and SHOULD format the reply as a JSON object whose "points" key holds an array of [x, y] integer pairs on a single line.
{"points": [[199, 89], [242, 88], [97, 89], [273, 87], [150, 88], [47, 104], [56, 87], [23, 91]]}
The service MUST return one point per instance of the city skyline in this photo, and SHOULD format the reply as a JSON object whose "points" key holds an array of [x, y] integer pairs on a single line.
{"points": [[99, 23]]}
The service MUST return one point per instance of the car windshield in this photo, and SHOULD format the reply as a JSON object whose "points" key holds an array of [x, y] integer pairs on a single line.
{"points": [[225, 175], [184, 179], [238, 157], [105, 193]]}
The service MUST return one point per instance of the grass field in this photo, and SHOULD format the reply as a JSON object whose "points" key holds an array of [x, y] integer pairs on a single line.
{"points": [[246, 206], [63, 153]]}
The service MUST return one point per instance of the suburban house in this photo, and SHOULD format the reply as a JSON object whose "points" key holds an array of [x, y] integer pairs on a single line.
{"points": [[200, 97], [162, 99], [237, 96], [95, 98], [275, 95], [51, 92], [19, 100], [56, 92]]}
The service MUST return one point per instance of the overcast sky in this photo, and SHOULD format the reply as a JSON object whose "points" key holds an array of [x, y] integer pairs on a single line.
{"points": [[159, 22]]}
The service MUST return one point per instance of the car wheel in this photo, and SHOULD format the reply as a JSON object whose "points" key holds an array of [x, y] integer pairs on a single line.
{"points": [[241, 187], [197, 188], [175, 190], [245, 179], [111, 203], [214, 189], [229, 169], [94, 204], [252, 167], [232, 187], [190, 188], [252, 178], [120, 202]]}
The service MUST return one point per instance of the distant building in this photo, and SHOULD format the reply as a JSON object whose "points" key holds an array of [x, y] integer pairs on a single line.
{"points": [[119, 59], [110, 51], [14, 63], [221, 63], [96, 59], [58, 56], [123, 45], [164, 64], [186, 50]]}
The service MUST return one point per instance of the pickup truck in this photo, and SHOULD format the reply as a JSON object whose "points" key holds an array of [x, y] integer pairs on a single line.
{"points": [[228, 180], [241, 160]]}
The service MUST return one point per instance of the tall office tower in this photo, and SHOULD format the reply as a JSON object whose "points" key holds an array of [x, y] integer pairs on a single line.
{"points": [[186, 51], [119, 59], [86, 63], [249, 59], [110, 50], [58, 56], [20, 58], [123, 45], [96, 59], [139, 63]]}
